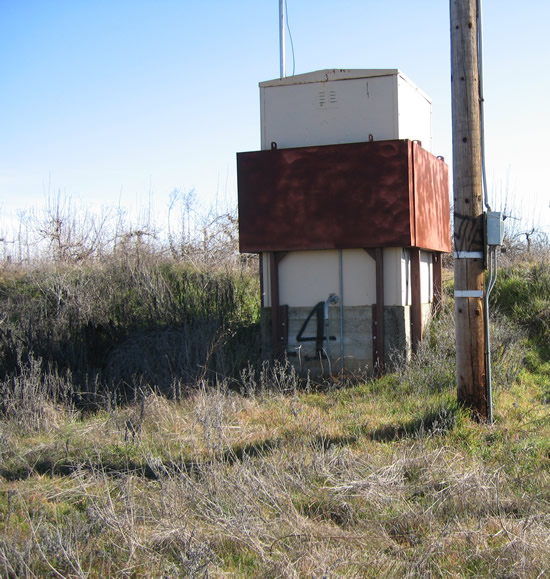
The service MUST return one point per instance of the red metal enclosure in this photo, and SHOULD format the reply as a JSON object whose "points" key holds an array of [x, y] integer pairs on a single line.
{"points": [[373, 194]]}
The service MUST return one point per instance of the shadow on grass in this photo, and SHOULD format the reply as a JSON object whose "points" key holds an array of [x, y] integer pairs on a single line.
{"points": [[433, 422], [120, 465], [253, 450], [53, 468]]}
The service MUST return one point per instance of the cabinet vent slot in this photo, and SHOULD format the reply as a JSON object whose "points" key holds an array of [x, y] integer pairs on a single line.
{"points": [[327, 98]]}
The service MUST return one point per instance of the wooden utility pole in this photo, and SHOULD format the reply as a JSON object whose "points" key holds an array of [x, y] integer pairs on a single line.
{"points": [[469, 242]]}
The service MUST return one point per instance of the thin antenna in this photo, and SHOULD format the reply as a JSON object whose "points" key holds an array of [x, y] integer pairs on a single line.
{"points": [[282, 36]]}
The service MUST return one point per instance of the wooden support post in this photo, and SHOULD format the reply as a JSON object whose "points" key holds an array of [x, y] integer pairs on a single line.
{"points": [[468, 209], [416, 299]]}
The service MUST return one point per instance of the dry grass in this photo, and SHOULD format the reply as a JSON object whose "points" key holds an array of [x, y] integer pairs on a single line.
{"points": [[348, 482], [267, 477]]}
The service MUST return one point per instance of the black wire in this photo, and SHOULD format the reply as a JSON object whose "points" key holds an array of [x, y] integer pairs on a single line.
{"points": [[291, 41]]}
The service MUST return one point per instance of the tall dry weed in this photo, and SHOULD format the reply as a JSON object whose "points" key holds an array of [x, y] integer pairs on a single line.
{"points": [[34, 399]]}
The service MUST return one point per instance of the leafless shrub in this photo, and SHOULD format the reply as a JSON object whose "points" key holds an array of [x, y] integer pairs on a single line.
{"points": [[206, 239], [279, 377], [70, 234], [432, 367], [35, 400], [65, 231]]}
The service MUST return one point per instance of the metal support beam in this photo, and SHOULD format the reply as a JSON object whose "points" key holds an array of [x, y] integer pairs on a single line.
{"points": [[279, 314], [416, 299], [378, 336], [437, 282]]}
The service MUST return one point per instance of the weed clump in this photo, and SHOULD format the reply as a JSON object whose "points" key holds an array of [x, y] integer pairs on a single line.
{"points": [[522, 293], [34, 399]]}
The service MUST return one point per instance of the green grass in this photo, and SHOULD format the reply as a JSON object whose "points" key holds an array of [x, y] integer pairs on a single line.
{"points": [[522, 293]]}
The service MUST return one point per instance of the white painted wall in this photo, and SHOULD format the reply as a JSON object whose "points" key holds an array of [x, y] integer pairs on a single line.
{"points": [[359, 278], [397, 287], [329, 113], [426, 277], [415, 114], [406, 292], [308, 277]]}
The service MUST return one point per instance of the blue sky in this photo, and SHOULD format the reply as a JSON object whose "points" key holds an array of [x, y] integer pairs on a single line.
{"points": [[123, 101]]}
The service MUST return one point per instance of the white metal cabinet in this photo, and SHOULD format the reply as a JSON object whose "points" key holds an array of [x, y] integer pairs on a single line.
{"points": [[343, 106]]}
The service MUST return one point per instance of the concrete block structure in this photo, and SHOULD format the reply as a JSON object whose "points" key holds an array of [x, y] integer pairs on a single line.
{"points": [[350, 215]]}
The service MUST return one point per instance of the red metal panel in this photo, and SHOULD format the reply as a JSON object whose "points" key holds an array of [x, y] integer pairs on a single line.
{"points": [[375, 194], [327, 197], [431, 201]]}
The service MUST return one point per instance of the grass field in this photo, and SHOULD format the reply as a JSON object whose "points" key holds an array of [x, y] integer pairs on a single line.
{"points": [[256, 473]]}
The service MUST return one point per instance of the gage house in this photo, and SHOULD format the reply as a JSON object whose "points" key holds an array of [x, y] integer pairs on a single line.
{"points": [[350, 214]]}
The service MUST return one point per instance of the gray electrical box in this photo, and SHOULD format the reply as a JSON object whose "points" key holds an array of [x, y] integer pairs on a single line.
{"points": [[495, 228]]}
